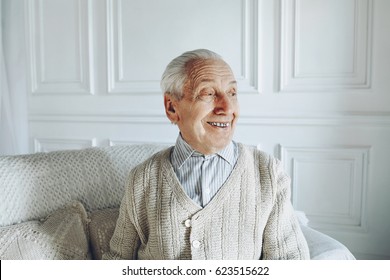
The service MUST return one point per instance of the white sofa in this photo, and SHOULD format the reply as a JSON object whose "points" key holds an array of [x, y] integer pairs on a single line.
{"points": [[64, 204]]}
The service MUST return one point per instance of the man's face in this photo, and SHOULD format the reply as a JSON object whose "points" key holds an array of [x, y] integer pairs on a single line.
{"points": [[208, 112]]}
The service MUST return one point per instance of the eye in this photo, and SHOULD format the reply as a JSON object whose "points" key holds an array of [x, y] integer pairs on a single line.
{"points": [[207, 95], [232, 94]]}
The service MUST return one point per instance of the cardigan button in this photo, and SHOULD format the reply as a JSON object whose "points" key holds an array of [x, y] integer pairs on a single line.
{"points": [[187, 223], [196, 244]]}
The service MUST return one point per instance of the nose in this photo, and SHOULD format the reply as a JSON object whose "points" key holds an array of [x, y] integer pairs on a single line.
{"points": [[224, 105]]}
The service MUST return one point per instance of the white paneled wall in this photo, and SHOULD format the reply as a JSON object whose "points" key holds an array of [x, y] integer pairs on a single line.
{"points": [[333, 170], [313, 78], [325, 45], [60, 40]]}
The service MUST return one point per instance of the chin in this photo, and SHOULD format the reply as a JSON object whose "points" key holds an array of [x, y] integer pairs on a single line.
{"points": [[220, 146]]}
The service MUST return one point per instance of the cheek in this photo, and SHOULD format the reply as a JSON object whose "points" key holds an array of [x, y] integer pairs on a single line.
{"points": [[201, 114], [195, 117], [236, 115], [192, 123]]}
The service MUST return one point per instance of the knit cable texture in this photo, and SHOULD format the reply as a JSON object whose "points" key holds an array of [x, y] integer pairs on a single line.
{"points": [[250, 217]]}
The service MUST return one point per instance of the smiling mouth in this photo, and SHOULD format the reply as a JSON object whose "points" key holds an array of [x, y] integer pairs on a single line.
{"points": [[219, 124]]}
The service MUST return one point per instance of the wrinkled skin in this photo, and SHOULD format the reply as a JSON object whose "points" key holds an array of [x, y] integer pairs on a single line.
{"points": [[208, 112]]}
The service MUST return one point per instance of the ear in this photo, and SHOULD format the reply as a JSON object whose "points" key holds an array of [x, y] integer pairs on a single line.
{"points": [[170, 104]]}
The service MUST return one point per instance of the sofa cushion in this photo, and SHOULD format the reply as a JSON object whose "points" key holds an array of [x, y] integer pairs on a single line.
{"points": [[101, 228], [33, 186], [62, 235], [324, 247]]}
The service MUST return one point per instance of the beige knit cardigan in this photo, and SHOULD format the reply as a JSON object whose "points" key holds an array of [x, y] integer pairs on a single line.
{"points": [[250, 217]]}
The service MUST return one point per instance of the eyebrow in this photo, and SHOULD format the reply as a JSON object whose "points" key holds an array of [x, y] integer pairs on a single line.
{"points": [[234, 82]]}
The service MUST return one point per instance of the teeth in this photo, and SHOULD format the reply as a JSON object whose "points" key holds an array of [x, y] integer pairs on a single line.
{"points": [[219, 124]]}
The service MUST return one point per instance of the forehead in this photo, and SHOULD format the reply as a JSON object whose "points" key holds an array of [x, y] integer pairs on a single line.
{"points": [[209, 70]]}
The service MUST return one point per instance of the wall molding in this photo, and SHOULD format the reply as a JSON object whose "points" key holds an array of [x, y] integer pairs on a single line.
{"points": [[366, 119], [54, 144], [248, 77], [352, 158], [118, 142], [292, 79], [362, 120], [116, 82], [39, 83]]}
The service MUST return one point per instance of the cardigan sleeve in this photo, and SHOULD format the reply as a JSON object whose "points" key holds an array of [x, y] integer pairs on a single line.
{"points": [[125, 241], [283, 238]]}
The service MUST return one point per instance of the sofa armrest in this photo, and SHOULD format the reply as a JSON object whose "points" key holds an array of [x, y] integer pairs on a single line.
{"points": [[324, 247]]}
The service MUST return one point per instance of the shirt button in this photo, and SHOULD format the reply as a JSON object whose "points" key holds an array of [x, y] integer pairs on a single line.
{"points": [[187, 223], [196, 244]]}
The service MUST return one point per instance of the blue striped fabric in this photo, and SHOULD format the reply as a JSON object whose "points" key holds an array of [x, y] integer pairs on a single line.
{"points": [[202, 176]]}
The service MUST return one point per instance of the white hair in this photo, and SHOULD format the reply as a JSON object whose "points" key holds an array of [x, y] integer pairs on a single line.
{"points": [[175, 74]]}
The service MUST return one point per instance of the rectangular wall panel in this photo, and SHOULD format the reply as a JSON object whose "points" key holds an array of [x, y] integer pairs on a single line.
{"points": [[136, 60], [329, 184], [325, 45], [59, 40]]}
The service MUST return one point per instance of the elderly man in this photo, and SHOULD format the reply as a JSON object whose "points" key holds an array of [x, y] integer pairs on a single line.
{"points": [[207, 197]]}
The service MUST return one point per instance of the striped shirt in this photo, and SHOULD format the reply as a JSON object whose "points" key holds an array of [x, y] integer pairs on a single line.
{"points": [[200, 175]]}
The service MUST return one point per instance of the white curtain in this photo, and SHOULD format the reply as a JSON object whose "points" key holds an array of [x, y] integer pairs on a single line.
{"points": [[13, 90]]}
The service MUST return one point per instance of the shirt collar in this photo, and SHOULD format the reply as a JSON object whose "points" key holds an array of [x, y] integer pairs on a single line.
{"points": [[183, 151]]}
